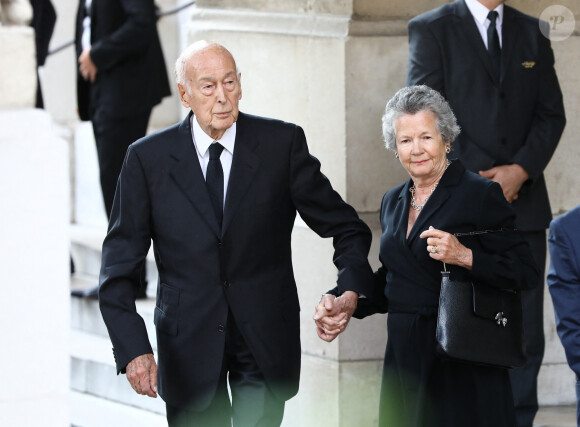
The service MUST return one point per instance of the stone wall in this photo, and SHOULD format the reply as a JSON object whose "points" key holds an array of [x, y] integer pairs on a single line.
{"points": [[34, 242]]}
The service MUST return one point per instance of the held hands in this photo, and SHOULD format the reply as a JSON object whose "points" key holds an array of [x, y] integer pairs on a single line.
{"points": [[446, 248], [333, 314], [87, 67], [142, 375], [510, 177]]}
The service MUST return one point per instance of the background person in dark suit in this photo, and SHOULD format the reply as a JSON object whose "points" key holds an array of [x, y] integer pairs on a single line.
{"points": [[564, 285], [43, 21], [121, 76], [508, 103], [218, 195]]}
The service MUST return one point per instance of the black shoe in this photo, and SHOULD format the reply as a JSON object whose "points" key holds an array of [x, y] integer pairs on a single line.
{"points": [[92, 293]]}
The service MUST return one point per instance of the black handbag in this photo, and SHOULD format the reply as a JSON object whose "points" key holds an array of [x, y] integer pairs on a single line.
{"points": [[480, 324]]}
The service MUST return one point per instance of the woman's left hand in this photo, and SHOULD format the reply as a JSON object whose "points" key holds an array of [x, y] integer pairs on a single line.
{"points": [[446, 248]]}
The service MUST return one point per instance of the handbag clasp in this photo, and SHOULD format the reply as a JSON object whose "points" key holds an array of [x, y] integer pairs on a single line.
{"points": [[501, 319]]}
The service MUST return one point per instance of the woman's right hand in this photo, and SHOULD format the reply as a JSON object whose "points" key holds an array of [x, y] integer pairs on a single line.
{"points": [[446, 248]]}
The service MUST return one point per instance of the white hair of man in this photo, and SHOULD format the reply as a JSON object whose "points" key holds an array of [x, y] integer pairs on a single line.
{"points": [[189, 51]]}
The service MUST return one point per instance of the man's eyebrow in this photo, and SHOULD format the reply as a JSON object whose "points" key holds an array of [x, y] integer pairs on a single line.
{"points": [[213, 78]]}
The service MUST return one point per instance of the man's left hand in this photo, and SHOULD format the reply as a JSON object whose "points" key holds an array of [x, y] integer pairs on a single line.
{"points": [[510, 177], [333, 314], [142, 375], [87, 67]]}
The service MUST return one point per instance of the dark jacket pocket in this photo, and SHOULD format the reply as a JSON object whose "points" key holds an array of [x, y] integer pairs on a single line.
{"points": [[165, 323], [166, 309]]}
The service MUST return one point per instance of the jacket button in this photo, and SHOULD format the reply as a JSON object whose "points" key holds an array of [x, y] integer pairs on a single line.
{"points": [[226, 284], [221, 328], [503, 141], [220, 243]]}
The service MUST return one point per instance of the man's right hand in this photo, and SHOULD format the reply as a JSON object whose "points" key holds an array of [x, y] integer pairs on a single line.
{"points": [[87, 67], [142, 374], [333, 314], [510, 177]]}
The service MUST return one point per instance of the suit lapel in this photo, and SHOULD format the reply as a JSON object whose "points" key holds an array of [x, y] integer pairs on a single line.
{"points": [[188, 175], [469, 29], [400, 216], [244, 166]]}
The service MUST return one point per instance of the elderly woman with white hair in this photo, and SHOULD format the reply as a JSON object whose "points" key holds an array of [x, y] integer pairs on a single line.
{"points": [[418, 220]]}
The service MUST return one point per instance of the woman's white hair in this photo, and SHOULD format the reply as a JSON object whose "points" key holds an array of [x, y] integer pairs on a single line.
{"points": [[411, 100]]}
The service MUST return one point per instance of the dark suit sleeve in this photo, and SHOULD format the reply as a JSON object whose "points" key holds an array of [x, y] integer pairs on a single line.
{"points": [[373, 303], [133, 38], [328, 215], [376, 301], [124, 251], [549, 117], [425, 64], [564, 285], [504, 259]]}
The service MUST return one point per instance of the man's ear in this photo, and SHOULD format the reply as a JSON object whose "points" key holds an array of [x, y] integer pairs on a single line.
{"points": [[182, 95], [240, 83]]}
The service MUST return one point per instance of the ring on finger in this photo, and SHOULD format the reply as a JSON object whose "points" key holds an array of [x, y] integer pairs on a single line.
{"points": [[434, 249]]}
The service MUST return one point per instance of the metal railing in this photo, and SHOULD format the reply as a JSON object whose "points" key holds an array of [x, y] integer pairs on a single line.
{"points": [[159, 13]]}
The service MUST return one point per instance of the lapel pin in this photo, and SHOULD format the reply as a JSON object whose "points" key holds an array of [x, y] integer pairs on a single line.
{"points": [[528, 64]]}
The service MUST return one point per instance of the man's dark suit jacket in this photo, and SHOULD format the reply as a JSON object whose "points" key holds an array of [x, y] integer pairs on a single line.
{"points": [[125, 48], [564, 282], [518, 119], [205, 272]]}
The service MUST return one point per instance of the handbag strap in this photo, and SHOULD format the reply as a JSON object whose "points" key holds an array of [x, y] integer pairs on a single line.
{"points": [[475, 233], [478, 232]]}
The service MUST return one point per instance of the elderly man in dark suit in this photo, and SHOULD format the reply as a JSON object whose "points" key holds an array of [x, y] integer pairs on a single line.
{"points": [[121, 76], [218, 194], [496, 69], [564, 285]]}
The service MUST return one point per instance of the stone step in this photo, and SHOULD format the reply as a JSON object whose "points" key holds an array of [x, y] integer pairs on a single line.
{"points": [[86, 316], [100, 393], [93, 373], [86, 247], [91, 411]]}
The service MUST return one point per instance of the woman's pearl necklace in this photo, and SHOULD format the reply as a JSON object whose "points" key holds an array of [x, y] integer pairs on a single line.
{"points": [[414, 203]]}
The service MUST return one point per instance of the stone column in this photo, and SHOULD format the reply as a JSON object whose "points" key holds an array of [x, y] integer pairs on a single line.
{"points": [[34, 255], [330, 66]]}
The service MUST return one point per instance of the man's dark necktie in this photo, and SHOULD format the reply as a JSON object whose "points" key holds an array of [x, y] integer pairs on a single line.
{"points": [[214, 179], [493, 43]]}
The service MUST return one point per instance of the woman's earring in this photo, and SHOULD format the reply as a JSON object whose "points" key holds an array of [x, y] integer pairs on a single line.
{"points": [[447, 149], [396, 155]]}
